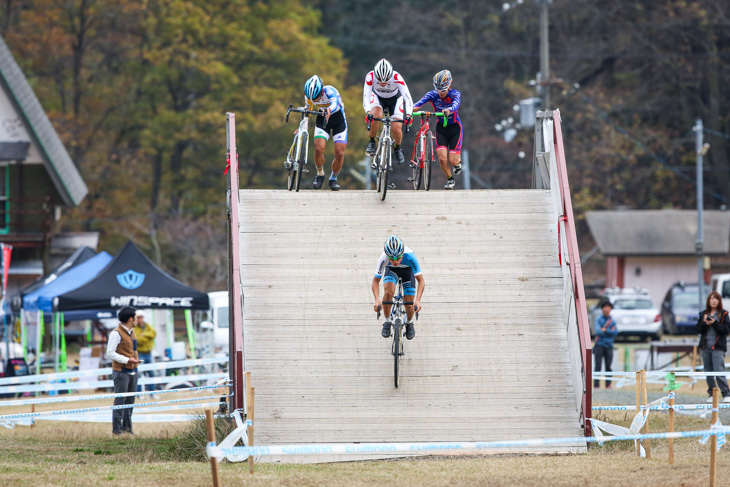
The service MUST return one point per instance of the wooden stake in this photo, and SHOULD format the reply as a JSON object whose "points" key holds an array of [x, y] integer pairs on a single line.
{"points": [[647, 445], [638, 407], [713, 438], [211, 437], [249, 415], [671, 429], [32, 410], [694, 363]]}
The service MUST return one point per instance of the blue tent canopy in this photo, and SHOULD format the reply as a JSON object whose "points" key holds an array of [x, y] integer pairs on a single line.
{"points": [[68, 281]]}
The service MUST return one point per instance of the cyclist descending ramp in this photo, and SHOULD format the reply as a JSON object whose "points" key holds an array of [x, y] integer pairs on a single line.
{"points": [[490, 358]]}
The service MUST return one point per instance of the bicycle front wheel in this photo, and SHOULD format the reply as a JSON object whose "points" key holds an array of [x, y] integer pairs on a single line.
{"points": [[385, 161], [396, 353], [303, 146], [417, 160], [428, 162], [291, 179]]}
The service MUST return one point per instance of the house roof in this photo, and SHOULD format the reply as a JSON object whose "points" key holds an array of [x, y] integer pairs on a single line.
{"points": [[658, 232], [58, 163]]}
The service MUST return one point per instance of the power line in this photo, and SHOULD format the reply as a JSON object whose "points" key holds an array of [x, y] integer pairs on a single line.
{"points": [[715, 132]]}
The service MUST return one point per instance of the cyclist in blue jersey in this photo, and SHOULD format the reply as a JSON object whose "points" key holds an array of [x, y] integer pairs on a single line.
{"points": [[396, 261], [327, 99], [449, 138]]}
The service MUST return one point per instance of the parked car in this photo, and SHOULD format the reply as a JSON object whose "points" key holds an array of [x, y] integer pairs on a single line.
{"points": [[721, 284], [680, 308], [633, 311]]}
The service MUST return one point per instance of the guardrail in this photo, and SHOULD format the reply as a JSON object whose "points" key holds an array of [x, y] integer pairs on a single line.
{"points": [[550, 171]]}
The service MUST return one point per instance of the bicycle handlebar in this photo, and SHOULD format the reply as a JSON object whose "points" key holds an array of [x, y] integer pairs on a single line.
{"points": [[303, 111], [386, 120], [428, 114]]}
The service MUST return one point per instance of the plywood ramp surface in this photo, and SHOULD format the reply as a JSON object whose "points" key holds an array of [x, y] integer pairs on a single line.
{"points": [[489, 361]]}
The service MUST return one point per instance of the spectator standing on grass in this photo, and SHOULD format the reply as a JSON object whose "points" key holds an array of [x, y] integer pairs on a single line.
{"points": [[122, 351], [713, 326], [606, 331], [145, 345]]}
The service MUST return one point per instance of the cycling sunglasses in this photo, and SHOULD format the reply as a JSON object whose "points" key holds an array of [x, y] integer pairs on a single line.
{"points": [[394, 259]]}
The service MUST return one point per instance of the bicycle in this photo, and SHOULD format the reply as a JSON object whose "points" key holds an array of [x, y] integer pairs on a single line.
{"points": [[383, 158], [398, 316], [423, 152], [296, 158]]}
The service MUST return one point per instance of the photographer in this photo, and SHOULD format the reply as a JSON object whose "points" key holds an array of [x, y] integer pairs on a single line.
{"points": [[122, 351], [713, 326]]}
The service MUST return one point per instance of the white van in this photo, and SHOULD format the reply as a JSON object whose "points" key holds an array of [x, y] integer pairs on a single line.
{"points": [[721, 284], [218, 320]]}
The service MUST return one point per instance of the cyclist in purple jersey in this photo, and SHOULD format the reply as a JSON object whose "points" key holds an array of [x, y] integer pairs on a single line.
{"points": [[448, 138]]}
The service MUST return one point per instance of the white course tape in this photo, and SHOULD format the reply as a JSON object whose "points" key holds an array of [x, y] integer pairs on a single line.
{"points": [[664, 407], [24, 379], [661, 373], [239, 434], [92, 397], [37, 414], [64, 386], [13, 424], [359, 448], [107, 418], [720, 437]]}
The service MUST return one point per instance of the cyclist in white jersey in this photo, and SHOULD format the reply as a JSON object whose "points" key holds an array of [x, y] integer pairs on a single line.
{"points": [[327, 100], [386, 89], [396, 261]]}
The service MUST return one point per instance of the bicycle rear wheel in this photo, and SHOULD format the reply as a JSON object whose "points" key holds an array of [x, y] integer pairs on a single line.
{"points": [[428, 162], [303, 146], [417, 169], [385, 161], [396, 353]]}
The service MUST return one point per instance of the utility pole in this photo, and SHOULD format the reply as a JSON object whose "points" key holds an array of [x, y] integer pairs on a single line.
{"points": [[544, 79], [700, 242]]}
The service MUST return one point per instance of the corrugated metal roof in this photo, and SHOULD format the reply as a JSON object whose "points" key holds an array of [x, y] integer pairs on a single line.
{"points": [[658, 232], [59, 165]]}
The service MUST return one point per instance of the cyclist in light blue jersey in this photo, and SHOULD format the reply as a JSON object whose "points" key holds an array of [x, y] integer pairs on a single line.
{"points": [[396, 261], [327, 99]]}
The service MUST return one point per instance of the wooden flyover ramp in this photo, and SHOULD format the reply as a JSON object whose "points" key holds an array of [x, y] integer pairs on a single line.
{"points": [[490, 358]]}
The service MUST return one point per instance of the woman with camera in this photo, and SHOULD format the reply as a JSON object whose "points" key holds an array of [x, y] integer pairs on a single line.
{"points": [[713, 326]]}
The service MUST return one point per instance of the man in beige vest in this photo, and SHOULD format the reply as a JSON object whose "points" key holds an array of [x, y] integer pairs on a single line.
{"points": [[122, 351]]}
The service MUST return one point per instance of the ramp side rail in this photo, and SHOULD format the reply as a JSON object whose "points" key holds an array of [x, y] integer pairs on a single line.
{"points": [[549, 171]]}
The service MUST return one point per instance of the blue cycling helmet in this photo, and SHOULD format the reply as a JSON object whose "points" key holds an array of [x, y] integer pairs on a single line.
{"points": [[394, 248], [442, 80], [313, 87]]}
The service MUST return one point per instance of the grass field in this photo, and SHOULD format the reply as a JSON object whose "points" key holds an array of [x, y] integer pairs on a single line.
{"points": [[72, 454]]}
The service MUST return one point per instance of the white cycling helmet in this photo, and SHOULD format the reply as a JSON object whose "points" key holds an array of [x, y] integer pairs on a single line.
{"points": [[383, 71], [394, 248], [313, 87]]}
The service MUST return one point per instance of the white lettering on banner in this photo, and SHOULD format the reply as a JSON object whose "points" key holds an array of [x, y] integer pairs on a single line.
{"points": [[151, 301]]}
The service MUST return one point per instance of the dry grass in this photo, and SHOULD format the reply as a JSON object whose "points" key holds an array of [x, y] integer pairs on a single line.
{"points": [[68, 454]]}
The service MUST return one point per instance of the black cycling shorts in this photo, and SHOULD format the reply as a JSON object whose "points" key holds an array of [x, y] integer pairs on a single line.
{"points": [[449, 137], [337, 126]]}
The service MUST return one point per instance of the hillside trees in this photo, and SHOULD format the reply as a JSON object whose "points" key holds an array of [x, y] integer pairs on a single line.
{"points": [[139, 92]]}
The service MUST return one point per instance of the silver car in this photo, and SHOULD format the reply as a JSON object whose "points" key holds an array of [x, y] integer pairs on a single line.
{"points": [[633, 311]]}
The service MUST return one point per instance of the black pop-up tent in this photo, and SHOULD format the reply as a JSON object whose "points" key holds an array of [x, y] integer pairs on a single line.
{"points": [[131, 279]]}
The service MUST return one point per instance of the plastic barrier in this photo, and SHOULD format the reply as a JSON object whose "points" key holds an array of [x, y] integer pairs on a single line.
{"points": [[67, 386], [25, 379], [28, 402]]}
